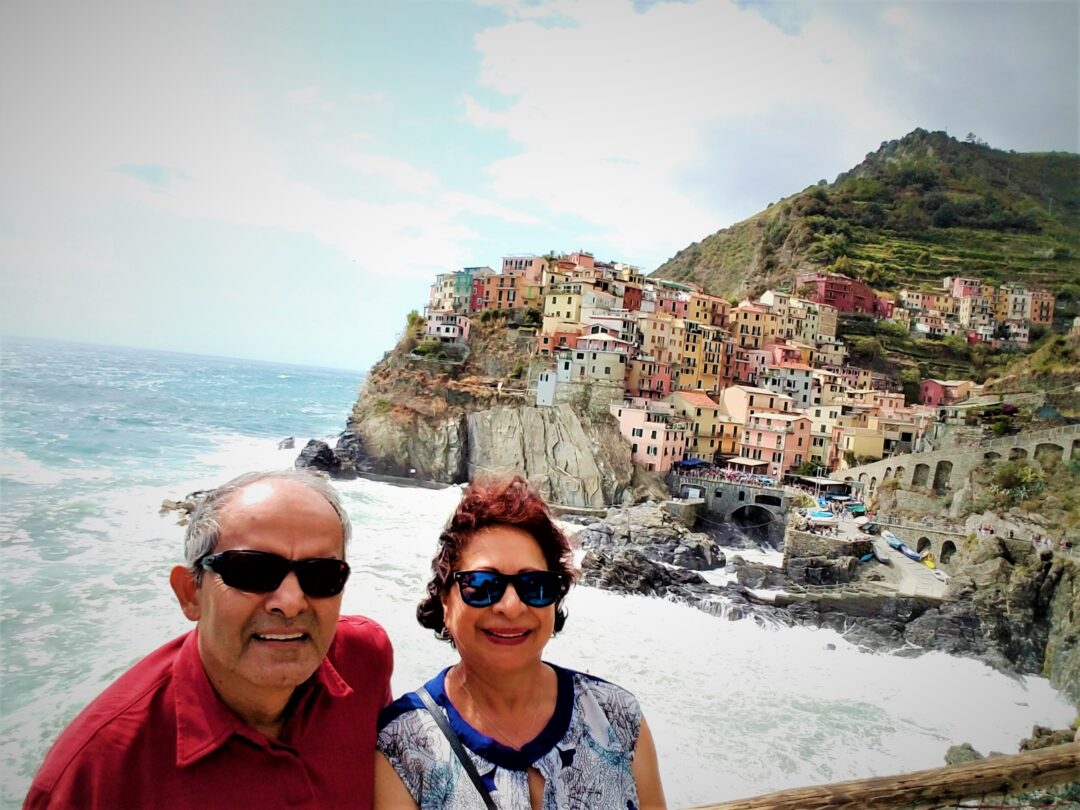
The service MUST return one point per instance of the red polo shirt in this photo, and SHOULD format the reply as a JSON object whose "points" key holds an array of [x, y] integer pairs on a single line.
{"points": [[161, 737]]}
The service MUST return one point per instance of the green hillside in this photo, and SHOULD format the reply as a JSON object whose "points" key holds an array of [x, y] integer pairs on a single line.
{"points": [[919, 209]]}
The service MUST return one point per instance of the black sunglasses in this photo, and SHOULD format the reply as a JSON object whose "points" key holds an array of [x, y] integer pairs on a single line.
{"points": [[262, 572], [486, 588]]}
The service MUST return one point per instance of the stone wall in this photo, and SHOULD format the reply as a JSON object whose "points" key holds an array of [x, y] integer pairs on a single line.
{"points": [[943, 470]]}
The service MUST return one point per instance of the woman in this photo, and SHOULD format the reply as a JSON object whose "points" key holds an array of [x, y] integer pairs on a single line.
{"points": [[540, 736]]}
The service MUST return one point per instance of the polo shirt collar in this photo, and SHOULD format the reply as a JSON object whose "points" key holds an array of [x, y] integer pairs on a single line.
{"points": [[204, 723]]}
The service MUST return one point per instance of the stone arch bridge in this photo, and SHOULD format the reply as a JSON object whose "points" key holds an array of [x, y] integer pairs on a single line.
{"points": [[752, 508], [939, 470]]}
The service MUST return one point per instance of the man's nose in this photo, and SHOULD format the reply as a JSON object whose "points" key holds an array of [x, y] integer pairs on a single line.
{"points": [[289, 599]]}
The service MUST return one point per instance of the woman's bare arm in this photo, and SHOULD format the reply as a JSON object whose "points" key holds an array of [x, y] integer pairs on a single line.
{"points": [[390, 791], [646, 771]]}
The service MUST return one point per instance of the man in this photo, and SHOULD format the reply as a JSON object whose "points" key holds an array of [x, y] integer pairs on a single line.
{"points": [[270, 702]]}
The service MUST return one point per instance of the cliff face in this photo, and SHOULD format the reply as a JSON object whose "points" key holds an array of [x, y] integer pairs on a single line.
{"points": [[1025, 600], [447, 421]]}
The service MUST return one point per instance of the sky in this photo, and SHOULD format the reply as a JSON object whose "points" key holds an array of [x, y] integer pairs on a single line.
{"points": [[283, 180]]}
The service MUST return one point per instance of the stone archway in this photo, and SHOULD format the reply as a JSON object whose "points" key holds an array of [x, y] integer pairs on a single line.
{"points": [[862, 478], [1048, 453], [1017, 454], [887, 474], [873, 485], [759, 524], [942, 474], [1075, 452], [991, 456], [924, 544], [948, 549], [921, 476], [899, 475]]}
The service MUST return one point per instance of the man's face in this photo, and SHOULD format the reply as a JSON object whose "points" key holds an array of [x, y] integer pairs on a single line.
{"points": [[257, 647]]}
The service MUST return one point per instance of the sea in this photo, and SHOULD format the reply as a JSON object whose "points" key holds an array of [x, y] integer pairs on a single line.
{"points": [[95, 438]]}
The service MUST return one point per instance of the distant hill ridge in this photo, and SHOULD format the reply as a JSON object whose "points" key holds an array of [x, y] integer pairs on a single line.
{"points": [[918, 209]]}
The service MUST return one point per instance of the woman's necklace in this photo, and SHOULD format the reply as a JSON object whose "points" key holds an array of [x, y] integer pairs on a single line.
{"points": [[511, 740]]}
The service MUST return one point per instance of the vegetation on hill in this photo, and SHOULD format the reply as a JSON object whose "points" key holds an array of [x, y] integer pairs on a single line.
{"points": [[919, 209]]}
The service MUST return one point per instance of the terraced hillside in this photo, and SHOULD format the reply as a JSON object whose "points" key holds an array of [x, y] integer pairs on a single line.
{"points": [[919, 209]]}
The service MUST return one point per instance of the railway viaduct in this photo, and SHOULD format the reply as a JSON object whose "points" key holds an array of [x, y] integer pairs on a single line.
{"points": [[939, 469]]}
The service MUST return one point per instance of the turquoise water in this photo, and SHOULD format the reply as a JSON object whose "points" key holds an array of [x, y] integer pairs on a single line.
{"points": [[93, 439]]}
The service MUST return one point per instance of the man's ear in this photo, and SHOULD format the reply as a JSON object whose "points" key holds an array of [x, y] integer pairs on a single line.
{"points": [[187, 591]]}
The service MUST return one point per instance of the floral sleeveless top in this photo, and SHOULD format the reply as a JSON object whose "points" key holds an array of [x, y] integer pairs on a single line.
{"points": [[584, 753]]}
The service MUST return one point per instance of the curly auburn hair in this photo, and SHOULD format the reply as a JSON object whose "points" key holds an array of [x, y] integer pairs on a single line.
{"points": [[497, 502]]}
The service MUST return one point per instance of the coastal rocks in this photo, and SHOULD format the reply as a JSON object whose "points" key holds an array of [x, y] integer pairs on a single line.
{"points": [[959, 754], [822, 570], [570, 462], [317, 455], [758, 575], [1043, 737], [656, 534], [629, 571], [288, 443], [552, 448], [810, 559], [407, 442]]}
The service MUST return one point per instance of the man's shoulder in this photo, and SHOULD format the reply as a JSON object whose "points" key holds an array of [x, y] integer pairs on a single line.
{"points": [[113, 720], [360, 640], [360, 630]]}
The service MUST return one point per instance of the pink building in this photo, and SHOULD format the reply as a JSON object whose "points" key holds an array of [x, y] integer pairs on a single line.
{"points": [[782, 440], [944, 392], [656, 434], [963, 287]]}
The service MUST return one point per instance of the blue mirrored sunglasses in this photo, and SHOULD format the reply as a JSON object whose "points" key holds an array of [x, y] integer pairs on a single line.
{"points": [[534, 588]]}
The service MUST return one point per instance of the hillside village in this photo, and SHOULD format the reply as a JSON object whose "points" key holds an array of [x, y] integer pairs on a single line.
{"points": [[763, 388]]}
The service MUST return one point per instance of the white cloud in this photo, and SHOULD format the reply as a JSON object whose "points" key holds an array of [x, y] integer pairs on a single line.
{"points": [[401, 174], [653, 124], [106, 106], [614, 112]]}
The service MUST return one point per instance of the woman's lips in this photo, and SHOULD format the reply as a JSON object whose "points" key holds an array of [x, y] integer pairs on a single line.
{"points": [[507, 635]]}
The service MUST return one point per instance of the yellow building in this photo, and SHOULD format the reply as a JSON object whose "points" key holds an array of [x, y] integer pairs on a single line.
{"points": [[662, 336], [702, 365], [562, 306], [710, 432], [707, 309], [752, 326]]}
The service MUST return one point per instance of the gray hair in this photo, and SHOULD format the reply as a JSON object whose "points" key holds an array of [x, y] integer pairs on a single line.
{"points": [[204, 532]]}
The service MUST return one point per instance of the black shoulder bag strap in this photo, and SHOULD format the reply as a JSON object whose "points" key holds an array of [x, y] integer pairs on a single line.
{"points": [[459, 749]]}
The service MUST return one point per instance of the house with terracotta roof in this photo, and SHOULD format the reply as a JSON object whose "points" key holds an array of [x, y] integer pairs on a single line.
{"points": [[709, 429]]}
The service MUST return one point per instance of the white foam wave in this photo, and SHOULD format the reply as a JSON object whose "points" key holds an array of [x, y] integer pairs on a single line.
{"points": [[18, 467]]}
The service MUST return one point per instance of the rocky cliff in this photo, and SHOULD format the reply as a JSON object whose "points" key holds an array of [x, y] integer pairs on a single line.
{"points": [[468, 414], [1023, 601]]}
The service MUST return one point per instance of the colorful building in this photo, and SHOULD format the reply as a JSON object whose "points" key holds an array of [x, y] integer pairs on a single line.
{"points": [[657, 435]]}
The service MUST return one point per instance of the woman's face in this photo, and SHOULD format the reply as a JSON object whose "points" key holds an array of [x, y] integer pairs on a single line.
{"points": [[508, 634]]}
